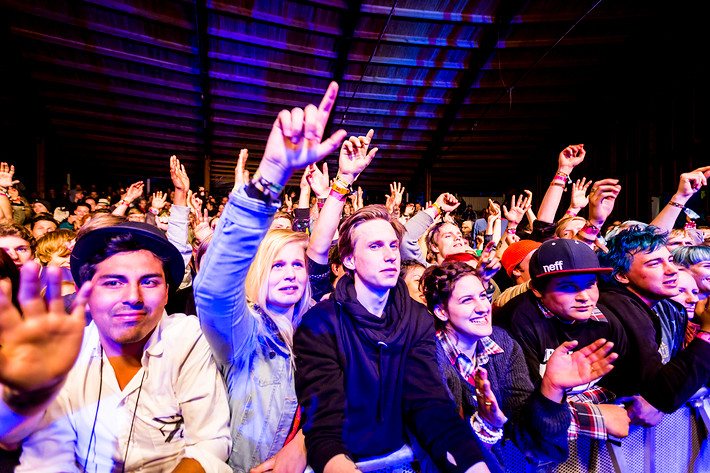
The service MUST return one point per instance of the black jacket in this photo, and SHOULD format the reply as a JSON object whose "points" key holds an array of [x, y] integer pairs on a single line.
{"points": [[362, 378], [669, 386]]}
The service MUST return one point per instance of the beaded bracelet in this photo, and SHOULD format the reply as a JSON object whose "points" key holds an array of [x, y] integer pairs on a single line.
{"points": [[484, 433]]}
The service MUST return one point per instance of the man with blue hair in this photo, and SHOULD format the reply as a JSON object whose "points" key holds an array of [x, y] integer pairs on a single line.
{"points": [[638, 292]]}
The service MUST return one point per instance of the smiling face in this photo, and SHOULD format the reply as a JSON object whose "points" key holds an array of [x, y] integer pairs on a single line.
{"points": [[128, 299], [449, 241], [468, 311], [701, 274], [570, 297], [375, 258], [287, 279], [652, 276], [687, 292]]}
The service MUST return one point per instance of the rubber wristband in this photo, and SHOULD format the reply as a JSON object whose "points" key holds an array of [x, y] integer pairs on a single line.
{"points": [[337, 195]]}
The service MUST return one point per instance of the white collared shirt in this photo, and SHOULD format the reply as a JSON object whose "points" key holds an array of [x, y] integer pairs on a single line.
{"points": [[182, 409]]}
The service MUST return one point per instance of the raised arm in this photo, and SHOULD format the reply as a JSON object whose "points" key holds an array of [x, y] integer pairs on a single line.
{"points": [[6, 174], [179, 220], [569, 158], [354, 158], [134, 191], [690, 183], [295, 142], [601, 203]]}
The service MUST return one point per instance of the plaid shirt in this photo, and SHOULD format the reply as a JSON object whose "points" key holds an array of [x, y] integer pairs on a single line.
{"points": [[587, 419], [484, 348]]}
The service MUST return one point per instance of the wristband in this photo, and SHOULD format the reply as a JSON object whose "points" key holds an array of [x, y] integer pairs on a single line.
{"points": [[153, 211], [511, 231], [341, 182], [268, 188], [336, 187], [320, 201], [563, 177], [337, 194], [590, 229], [2, 192], [689, 212], [559, 184], [438, 209], [123, 202], [571, 213]]}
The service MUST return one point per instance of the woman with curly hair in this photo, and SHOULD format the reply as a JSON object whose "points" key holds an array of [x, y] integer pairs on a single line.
{"points": [[486, 372]]}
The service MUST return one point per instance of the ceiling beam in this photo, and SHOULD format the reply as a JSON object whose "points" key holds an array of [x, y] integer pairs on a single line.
{"points": [[477, 61]]}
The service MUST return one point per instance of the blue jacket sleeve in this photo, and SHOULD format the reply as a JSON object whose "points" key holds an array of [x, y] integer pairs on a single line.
{"points": [[220, 295]]}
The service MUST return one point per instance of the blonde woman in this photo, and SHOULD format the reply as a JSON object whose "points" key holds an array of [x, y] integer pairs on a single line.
{"points": [[252, 288]]}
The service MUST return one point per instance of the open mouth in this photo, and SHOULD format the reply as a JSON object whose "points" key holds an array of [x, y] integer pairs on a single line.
{"points": [[479, 320], [289, 289]]}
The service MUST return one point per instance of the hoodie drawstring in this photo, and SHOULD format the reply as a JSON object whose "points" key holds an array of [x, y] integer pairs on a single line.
{"points": [[380, 414]]}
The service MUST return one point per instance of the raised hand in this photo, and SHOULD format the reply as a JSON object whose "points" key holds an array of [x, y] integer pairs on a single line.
{"points": [[394, 199], [241, 175], [579, 198], [601, 200], [447, 202], [7, 172], [39, 345], [691, 182], [354, 156], [488, 408], [201, 225], [319, 180], [159, 200], [178, 175], [296, 139], [566, 369], [195, 203], [488, 265], [570, 157], [180, 181], [133, 192], [517, 209]]}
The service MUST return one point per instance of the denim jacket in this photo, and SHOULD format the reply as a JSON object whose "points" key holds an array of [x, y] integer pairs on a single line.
{"points": [[255, 364]]}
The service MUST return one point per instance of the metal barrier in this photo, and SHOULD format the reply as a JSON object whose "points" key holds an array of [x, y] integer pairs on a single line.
{"points": [[678, 444]]}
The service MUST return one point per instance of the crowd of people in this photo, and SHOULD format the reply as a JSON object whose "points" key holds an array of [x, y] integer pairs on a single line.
{"points": [[271, 331]]}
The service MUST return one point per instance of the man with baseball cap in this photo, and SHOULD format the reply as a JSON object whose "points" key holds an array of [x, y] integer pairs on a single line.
{"points": [[562, 306], [144, 392]]}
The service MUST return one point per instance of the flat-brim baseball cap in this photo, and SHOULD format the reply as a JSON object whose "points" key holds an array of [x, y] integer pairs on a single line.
{"points": [[564, 256]]}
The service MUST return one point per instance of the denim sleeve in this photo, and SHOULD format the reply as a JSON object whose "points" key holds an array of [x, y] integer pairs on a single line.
{"points": [[415, 226], [220, 295]]}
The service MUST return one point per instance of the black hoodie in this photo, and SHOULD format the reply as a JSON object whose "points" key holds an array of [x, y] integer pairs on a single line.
{"points": [[361, 378]]}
